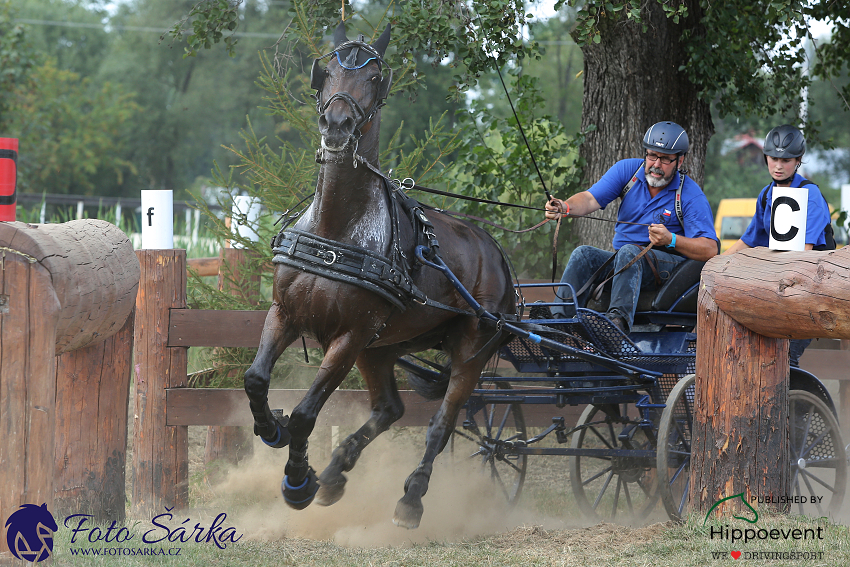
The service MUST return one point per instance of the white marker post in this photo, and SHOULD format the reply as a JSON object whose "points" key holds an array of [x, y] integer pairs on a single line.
{"points": [[788, 218], [244, 217], [157, 220]]}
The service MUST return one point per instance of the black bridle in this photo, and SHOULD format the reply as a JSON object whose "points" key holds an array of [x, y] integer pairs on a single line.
{"points": [[318, 75]]}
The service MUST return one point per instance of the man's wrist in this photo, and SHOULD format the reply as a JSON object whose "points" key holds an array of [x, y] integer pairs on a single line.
{"points": [[672, 242]]}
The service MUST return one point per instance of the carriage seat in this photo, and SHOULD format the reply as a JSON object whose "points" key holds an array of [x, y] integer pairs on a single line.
{"points": [[680, 290]]}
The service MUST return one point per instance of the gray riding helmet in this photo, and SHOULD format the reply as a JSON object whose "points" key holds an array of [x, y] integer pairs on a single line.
{"points": [[667, 137], [784, 141]]}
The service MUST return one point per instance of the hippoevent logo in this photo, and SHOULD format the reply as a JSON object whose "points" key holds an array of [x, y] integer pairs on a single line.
{"points": [[29, 533], [738, 536]]}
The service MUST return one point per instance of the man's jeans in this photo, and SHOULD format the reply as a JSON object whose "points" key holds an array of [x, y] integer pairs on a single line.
{"points": [[795, 350], [625, 287]]}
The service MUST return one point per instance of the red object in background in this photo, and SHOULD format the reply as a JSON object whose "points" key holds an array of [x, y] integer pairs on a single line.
{"points": [[8, 177]]}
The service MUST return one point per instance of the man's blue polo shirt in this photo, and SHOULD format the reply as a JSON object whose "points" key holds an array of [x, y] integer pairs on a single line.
{"points": [[817, 216], [639, 207]]}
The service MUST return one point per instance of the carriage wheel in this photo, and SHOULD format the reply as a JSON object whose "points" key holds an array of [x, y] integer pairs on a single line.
{"points": [[612, 488], [485, 438], [674, 448], [818, 459]]}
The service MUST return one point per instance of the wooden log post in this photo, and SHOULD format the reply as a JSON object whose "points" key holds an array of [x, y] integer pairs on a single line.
{"points": [[92, 392], [749, 305], [62, 287], [229, 444], [160, 452]]}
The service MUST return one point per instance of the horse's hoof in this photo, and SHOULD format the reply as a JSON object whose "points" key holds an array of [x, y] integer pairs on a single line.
{"points": [[282, 435], [408, 513], [330, 492], [300, 496]]}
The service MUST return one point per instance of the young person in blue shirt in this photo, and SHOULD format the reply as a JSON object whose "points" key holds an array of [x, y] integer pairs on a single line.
{"points": [[651, 186], [784, 147]]}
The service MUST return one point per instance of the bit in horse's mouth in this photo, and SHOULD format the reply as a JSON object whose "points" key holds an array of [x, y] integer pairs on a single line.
{"points": [[326, 147]]}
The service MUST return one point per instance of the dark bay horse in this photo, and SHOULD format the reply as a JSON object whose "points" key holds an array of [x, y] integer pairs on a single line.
{"points": [[358, 224]]}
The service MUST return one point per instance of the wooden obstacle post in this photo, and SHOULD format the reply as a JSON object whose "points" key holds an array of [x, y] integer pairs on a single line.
{"points": [[160, 452], [63, 287], [92, 392], [749, 304], [225, 443]]}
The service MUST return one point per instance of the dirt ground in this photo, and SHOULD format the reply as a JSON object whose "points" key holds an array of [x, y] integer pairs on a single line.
{"points": [[460, 505]]}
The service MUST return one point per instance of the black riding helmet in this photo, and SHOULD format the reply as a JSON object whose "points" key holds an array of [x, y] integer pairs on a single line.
{"points": [[784, 142], [667, 137]]}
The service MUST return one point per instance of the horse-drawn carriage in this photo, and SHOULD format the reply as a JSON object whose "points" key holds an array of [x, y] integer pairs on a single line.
{"points": [[631, 446], [354, 272]]}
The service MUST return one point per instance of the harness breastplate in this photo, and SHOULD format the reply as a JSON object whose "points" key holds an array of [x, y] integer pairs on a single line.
{"points": [[346, 263], [388, 277]]}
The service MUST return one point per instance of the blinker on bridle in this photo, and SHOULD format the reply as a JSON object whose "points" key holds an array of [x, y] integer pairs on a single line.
{"points": [[319, 74]]}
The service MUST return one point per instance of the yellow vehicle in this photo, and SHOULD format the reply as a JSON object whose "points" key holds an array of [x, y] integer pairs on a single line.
{"points": [[734, 216]]}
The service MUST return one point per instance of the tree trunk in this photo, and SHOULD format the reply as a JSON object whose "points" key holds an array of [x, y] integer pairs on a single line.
{"points": [[631, 81]]}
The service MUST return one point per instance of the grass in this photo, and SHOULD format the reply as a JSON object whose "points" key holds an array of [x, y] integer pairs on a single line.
{"points": [[667, 544]]}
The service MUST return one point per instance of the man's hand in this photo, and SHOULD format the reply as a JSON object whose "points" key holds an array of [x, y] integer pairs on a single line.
{"points": [[659, 235], [555, 208]]}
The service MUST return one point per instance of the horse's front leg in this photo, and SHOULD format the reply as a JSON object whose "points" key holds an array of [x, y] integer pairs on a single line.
{"points": [[300, 482], [376, 366], [275, 338]]}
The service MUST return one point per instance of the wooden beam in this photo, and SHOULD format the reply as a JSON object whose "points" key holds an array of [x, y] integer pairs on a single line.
{"points": [[218, 328], [792, 295], [349, 408]]}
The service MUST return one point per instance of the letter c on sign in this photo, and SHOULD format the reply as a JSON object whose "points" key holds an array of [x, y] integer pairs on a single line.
{"points": [[795, 206]]}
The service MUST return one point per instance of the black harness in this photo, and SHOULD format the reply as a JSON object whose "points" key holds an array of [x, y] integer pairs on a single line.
{"points": [[388, 277]]}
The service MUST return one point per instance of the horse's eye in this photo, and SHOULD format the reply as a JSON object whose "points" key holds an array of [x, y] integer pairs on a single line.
{"points": [[375, 78]]}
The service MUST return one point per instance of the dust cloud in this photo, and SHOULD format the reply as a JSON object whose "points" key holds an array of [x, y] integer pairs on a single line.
{"points": [[461, 501]]}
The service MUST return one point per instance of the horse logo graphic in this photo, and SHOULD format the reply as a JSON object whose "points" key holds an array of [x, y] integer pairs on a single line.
{"points": [[29, 533]]}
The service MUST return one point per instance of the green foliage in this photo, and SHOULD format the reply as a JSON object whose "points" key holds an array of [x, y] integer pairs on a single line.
{"points": [[81, 45], [499, 168], [17, 60], [594, 16], [475, 37], [71, 133], [746, 56], [211, 19]]}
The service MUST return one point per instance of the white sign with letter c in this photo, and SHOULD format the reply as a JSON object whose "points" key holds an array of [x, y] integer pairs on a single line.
{"points": [[788, 218]]}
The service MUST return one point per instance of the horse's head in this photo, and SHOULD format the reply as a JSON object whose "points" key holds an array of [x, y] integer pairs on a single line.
{"points": [[351, 88]]}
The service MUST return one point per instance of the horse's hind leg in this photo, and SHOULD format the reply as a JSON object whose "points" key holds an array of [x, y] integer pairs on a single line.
{"points": [[275, 338], [467, 364], [376, 366]]}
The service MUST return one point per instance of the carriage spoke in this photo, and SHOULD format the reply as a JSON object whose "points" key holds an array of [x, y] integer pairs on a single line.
{"points": [[507, 413], [812, 491], [597, 475], [807, 475], [601, 438], [604, 487], [628, 496], [684, 498]]}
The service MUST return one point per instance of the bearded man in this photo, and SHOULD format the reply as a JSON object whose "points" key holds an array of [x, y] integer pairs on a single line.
{"points": [[660, 205]]}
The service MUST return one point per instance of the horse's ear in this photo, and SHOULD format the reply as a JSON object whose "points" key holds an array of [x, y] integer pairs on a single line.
{"points": [[317, 76], [339, 35], [383, 41]]}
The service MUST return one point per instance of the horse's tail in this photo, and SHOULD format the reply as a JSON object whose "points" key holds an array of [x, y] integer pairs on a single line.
{"points": [[430, 383]]}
